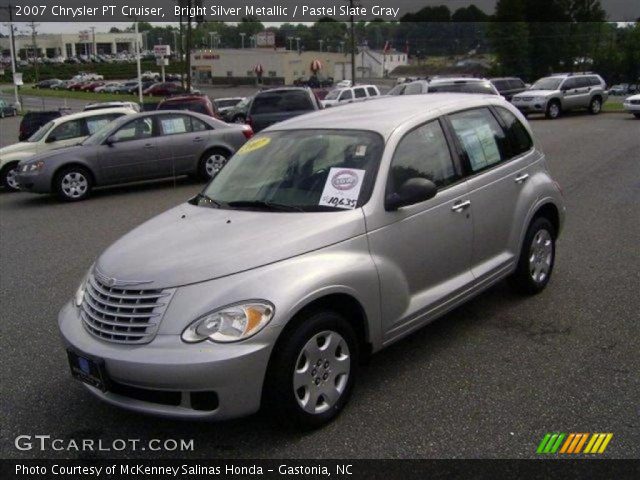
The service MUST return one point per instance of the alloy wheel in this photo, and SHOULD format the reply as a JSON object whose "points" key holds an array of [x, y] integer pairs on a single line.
{"points": [[214, 164], [11, 179]]}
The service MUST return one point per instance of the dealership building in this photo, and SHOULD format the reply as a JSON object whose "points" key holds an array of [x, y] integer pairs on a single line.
{"points": [[288, 65], [71, 44]]}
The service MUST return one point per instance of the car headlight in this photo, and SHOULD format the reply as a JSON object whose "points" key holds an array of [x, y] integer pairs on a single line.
{"points": [[33, 167], [79, 296], [230, 324]]}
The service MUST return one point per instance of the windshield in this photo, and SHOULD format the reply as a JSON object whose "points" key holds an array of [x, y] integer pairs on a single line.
{"points": [[549, 83], [40, 133], [195, 106], [303, 170], [226, 103], [102, 133], [463, 87]]}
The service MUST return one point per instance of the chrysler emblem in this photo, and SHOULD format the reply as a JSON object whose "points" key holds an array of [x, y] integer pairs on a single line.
{"points": [[112, 282]]}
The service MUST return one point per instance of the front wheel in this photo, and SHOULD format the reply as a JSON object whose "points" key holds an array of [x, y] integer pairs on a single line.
{"points": [[211, 163], [553, 110], [73, 184], [637, 115], [595, 106], [8, 177], [537, 257], [313, 370]]}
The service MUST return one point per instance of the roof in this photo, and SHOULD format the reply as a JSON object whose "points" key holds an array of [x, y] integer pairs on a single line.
{"points": [[457, 80], [93, 113], [384, 114]]}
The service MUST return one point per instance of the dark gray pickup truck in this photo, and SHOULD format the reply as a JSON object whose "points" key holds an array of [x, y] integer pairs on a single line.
{"points": [[272, 106]]}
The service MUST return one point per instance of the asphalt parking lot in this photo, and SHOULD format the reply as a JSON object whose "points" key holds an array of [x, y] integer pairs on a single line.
{"points": [[487, 380]]}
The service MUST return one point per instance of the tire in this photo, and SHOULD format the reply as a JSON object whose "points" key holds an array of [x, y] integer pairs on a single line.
{"points": [[309, 382], [73, 184], [1, 113], [537, 257], [595, 106], [8, 179], [212, 162], [637, 115], [553, 110]]}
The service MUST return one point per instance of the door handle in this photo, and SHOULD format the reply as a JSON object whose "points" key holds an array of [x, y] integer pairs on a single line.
{"points": [[522, 178], [460, 206], [149, 145], [197, 139]]}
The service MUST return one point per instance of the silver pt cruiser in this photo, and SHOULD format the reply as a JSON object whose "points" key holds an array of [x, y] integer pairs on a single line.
{"points": [[325, 238]]}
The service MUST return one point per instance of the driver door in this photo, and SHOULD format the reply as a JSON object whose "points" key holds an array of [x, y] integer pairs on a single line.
{"points": [[422, 251], [130, 153]]}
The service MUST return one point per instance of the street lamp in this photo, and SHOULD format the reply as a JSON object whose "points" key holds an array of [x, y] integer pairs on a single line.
{"points": [[298, 44], [321, 42], [290, 42], [242, 35], [211, 37]]}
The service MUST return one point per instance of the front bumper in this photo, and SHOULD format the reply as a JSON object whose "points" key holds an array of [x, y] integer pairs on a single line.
{"points": [[631, 107], [532, 106], [35, 182], [228, 376]]}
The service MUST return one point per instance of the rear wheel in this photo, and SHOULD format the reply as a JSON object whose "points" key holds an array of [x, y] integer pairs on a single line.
{"points": [[73, 184], [537, 257], [211, 163], [8, 177], [637, 115], [553, 110], [313, 370], [595, 106]]}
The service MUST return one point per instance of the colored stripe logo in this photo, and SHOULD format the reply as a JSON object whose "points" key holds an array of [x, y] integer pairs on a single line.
{"points": [[573, 443]]}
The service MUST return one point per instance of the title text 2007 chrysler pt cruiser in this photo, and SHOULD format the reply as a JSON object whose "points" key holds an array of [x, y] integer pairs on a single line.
{"points": [[325, 238]]}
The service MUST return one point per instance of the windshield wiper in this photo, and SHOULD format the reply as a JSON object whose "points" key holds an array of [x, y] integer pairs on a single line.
{"points": [[264, 205], [207, 198]]}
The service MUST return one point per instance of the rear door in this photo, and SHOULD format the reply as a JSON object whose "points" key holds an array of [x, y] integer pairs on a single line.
{"points": [[179, 144], [133, 153], [497, 161], [359, 94], [571, 94]]}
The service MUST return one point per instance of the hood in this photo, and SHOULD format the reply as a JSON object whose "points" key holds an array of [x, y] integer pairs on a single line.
{"points": [[57, 152], [20, 147], [190, 244], [534, 93], [632, 97]]}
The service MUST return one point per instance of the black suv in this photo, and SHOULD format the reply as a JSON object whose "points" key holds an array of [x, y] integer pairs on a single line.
{"points": [[508, 86], [32, 121], [272, 106]]}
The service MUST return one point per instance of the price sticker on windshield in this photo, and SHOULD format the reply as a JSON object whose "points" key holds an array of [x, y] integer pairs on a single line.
{"points": [[342, 188]]}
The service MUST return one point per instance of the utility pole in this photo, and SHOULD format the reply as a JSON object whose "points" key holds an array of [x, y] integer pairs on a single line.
{"points": [[137, 44], [352, 28], [94, 51], [12, 48], [33, 26], [188, 58]]}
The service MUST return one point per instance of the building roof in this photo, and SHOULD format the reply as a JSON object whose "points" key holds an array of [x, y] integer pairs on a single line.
{"points": [[383, 115]]}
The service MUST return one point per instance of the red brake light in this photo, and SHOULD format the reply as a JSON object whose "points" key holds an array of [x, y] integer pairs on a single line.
{"points": [[249, 122], [247, 131]]}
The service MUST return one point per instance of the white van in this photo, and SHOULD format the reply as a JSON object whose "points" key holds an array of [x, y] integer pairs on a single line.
{"points": [[340, 96]]}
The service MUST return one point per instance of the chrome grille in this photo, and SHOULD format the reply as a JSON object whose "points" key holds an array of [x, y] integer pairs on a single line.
{"points": [[123, 314]]}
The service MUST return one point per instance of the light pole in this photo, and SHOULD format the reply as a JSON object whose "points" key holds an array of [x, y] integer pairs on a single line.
{"points": [[242, 35], [298, 44], [290, 42], [13, 60], [137, 50], [211, 37], [352, 28], [321, 42], [342, 46]]}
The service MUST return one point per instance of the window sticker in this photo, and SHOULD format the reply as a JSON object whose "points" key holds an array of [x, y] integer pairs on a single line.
{"points": [[481, 147], [361, 151], [255, 144], [342, 188], [173, 125]]}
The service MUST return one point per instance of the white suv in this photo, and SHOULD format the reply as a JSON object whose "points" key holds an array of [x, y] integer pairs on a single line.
{"points": [[558, 93], [340, 96]]}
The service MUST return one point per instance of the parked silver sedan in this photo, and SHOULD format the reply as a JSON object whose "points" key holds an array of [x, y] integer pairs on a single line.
{"points": [[136, 147], [326, 237]]}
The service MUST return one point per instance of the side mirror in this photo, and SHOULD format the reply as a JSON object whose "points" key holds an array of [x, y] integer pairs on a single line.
{"points": [[414, 190], [110, 140], [51, 139]]}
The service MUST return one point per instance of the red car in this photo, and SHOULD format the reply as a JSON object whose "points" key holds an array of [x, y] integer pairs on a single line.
{"points": [[163, 89], [91, 86], [77, 86], [195, 103]]}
